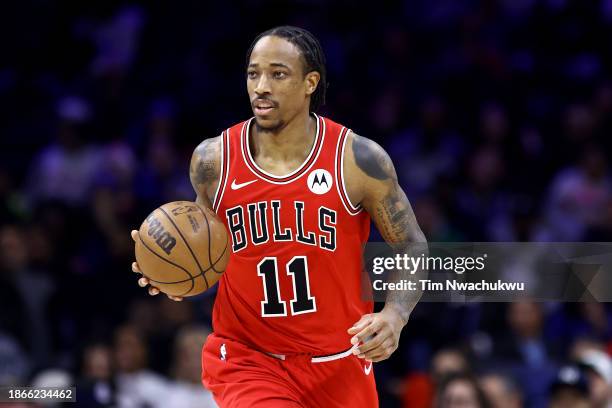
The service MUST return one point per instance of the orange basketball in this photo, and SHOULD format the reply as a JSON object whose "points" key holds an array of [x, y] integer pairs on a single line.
{"points": [[182, 248]]}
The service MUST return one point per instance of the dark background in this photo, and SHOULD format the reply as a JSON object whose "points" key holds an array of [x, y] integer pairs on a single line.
{"points": [[495, 113]]}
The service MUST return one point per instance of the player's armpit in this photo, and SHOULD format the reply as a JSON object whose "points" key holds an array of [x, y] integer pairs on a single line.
{"points": [[205, 169]]}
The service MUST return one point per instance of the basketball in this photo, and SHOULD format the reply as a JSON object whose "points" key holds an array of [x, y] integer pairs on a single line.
{"points": [[182, 248]]}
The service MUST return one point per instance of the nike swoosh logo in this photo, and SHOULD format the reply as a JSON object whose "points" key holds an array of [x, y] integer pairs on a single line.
{"points": [[368, 369], [236, 186]]}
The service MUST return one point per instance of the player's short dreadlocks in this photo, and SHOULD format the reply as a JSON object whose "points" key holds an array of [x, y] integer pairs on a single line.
{"points": [[311, 51]]}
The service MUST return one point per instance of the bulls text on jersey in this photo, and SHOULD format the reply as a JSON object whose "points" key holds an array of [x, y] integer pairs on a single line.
{"points": [[256, 215]]}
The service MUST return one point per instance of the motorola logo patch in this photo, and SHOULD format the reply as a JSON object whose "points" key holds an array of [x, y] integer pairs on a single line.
{"points": [[319, 181]]}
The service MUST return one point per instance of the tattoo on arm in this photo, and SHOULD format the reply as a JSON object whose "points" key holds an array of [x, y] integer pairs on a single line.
{"points": [[400, 229], [397, 219], [205, 167], [372, 159], [390, 209]]}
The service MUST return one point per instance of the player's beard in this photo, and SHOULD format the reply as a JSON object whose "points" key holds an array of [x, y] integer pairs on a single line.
{"points": [[273, 128]]}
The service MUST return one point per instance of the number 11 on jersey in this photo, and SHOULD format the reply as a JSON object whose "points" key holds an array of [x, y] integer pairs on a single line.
{"points": [[302, 301]]}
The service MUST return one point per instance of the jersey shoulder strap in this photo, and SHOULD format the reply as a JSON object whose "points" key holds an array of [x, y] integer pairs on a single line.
{"points": [[230, 144]]}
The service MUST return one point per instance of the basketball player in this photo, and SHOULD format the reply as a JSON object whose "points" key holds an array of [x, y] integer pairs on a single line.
{"points": [[297, 192]]}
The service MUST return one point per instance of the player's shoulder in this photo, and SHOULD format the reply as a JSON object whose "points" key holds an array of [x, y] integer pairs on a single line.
{"points": [[368, 157], [208, 149], [205, 164], [205, 168]]}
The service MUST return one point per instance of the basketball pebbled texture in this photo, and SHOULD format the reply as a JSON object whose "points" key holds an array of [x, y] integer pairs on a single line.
{"points": [[182, 248]]}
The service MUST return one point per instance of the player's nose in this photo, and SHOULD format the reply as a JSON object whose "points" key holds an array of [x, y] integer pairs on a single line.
{"points": [[263, 85]]}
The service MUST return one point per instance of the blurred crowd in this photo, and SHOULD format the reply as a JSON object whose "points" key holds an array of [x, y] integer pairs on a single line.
{"points": [[497, 115]]}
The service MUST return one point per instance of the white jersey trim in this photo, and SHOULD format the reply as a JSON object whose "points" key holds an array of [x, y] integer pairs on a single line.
{"points": [[322, 359], [334, 356], [225, 164], [346, 201], [320, 134]]}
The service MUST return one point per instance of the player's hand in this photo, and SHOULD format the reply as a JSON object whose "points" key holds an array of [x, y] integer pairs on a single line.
{"points": [[377, 334], [142, 282]]}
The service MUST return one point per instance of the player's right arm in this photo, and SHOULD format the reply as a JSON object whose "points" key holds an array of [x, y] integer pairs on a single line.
{"points": [[204, 171]]}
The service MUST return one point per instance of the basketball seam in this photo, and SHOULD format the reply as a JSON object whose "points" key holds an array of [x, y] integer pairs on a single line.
{"points": [[187, 244], [171, 263], [222, 253], [178, 266], [193, 276], [208, 231], [212, 264]]}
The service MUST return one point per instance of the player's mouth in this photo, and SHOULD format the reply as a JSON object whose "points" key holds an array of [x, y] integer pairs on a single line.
{"points": [[263, 111], [262, 108]]}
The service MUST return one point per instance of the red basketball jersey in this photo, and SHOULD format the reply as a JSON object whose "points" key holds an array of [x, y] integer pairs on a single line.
{"points": [[293, 281]]}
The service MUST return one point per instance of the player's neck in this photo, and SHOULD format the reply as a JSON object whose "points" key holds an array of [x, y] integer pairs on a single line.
{"points": [[294, 140]]}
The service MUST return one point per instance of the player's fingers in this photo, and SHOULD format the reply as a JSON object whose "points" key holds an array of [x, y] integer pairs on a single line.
{"points": [[382, 352], [135, 267], [134, 235], [374, 355], [359, 325], [176, 298], [379, 358], [373, 342], [142, 282], [153, 291], [379, 355], [368, 331]]}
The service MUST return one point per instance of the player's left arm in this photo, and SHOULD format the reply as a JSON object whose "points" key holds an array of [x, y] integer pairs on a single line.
{"points": [[371, 180]]}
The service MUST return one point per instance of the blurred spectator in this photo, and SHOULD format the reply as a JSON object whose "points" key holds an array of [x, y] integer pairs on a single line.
{"points": [[428, 152], [460, 390], [501, 391], [579, 200], [433, 221], [598, 367], [494, 126], [483, 205], [96, 386], [65, 169], [597, 322], [525, 341], [55, 378], [527, 351], [14, 362], [446, 362], [588, 322], [114, 202], [186, 390], [117, 41], [137, 386], [583, 345], [569, 389], [170, 318], [418, 389], [12, 205], [163, 175], [26, 293], [579, 123]]}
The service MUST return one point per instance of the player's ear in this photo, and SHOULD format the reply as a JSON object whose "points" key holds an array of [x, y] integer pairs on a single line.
{"points": [[312, 80]]}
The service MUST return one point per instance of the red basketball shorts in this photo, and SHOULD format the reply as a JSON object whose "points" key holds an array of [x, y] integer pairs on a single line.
{"points": [[240, 377]]}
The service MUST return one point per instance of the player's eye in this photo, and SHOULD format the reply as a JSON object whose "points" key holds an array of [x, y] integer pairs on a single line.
{"points": [[251, 74], [279, 75]]}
